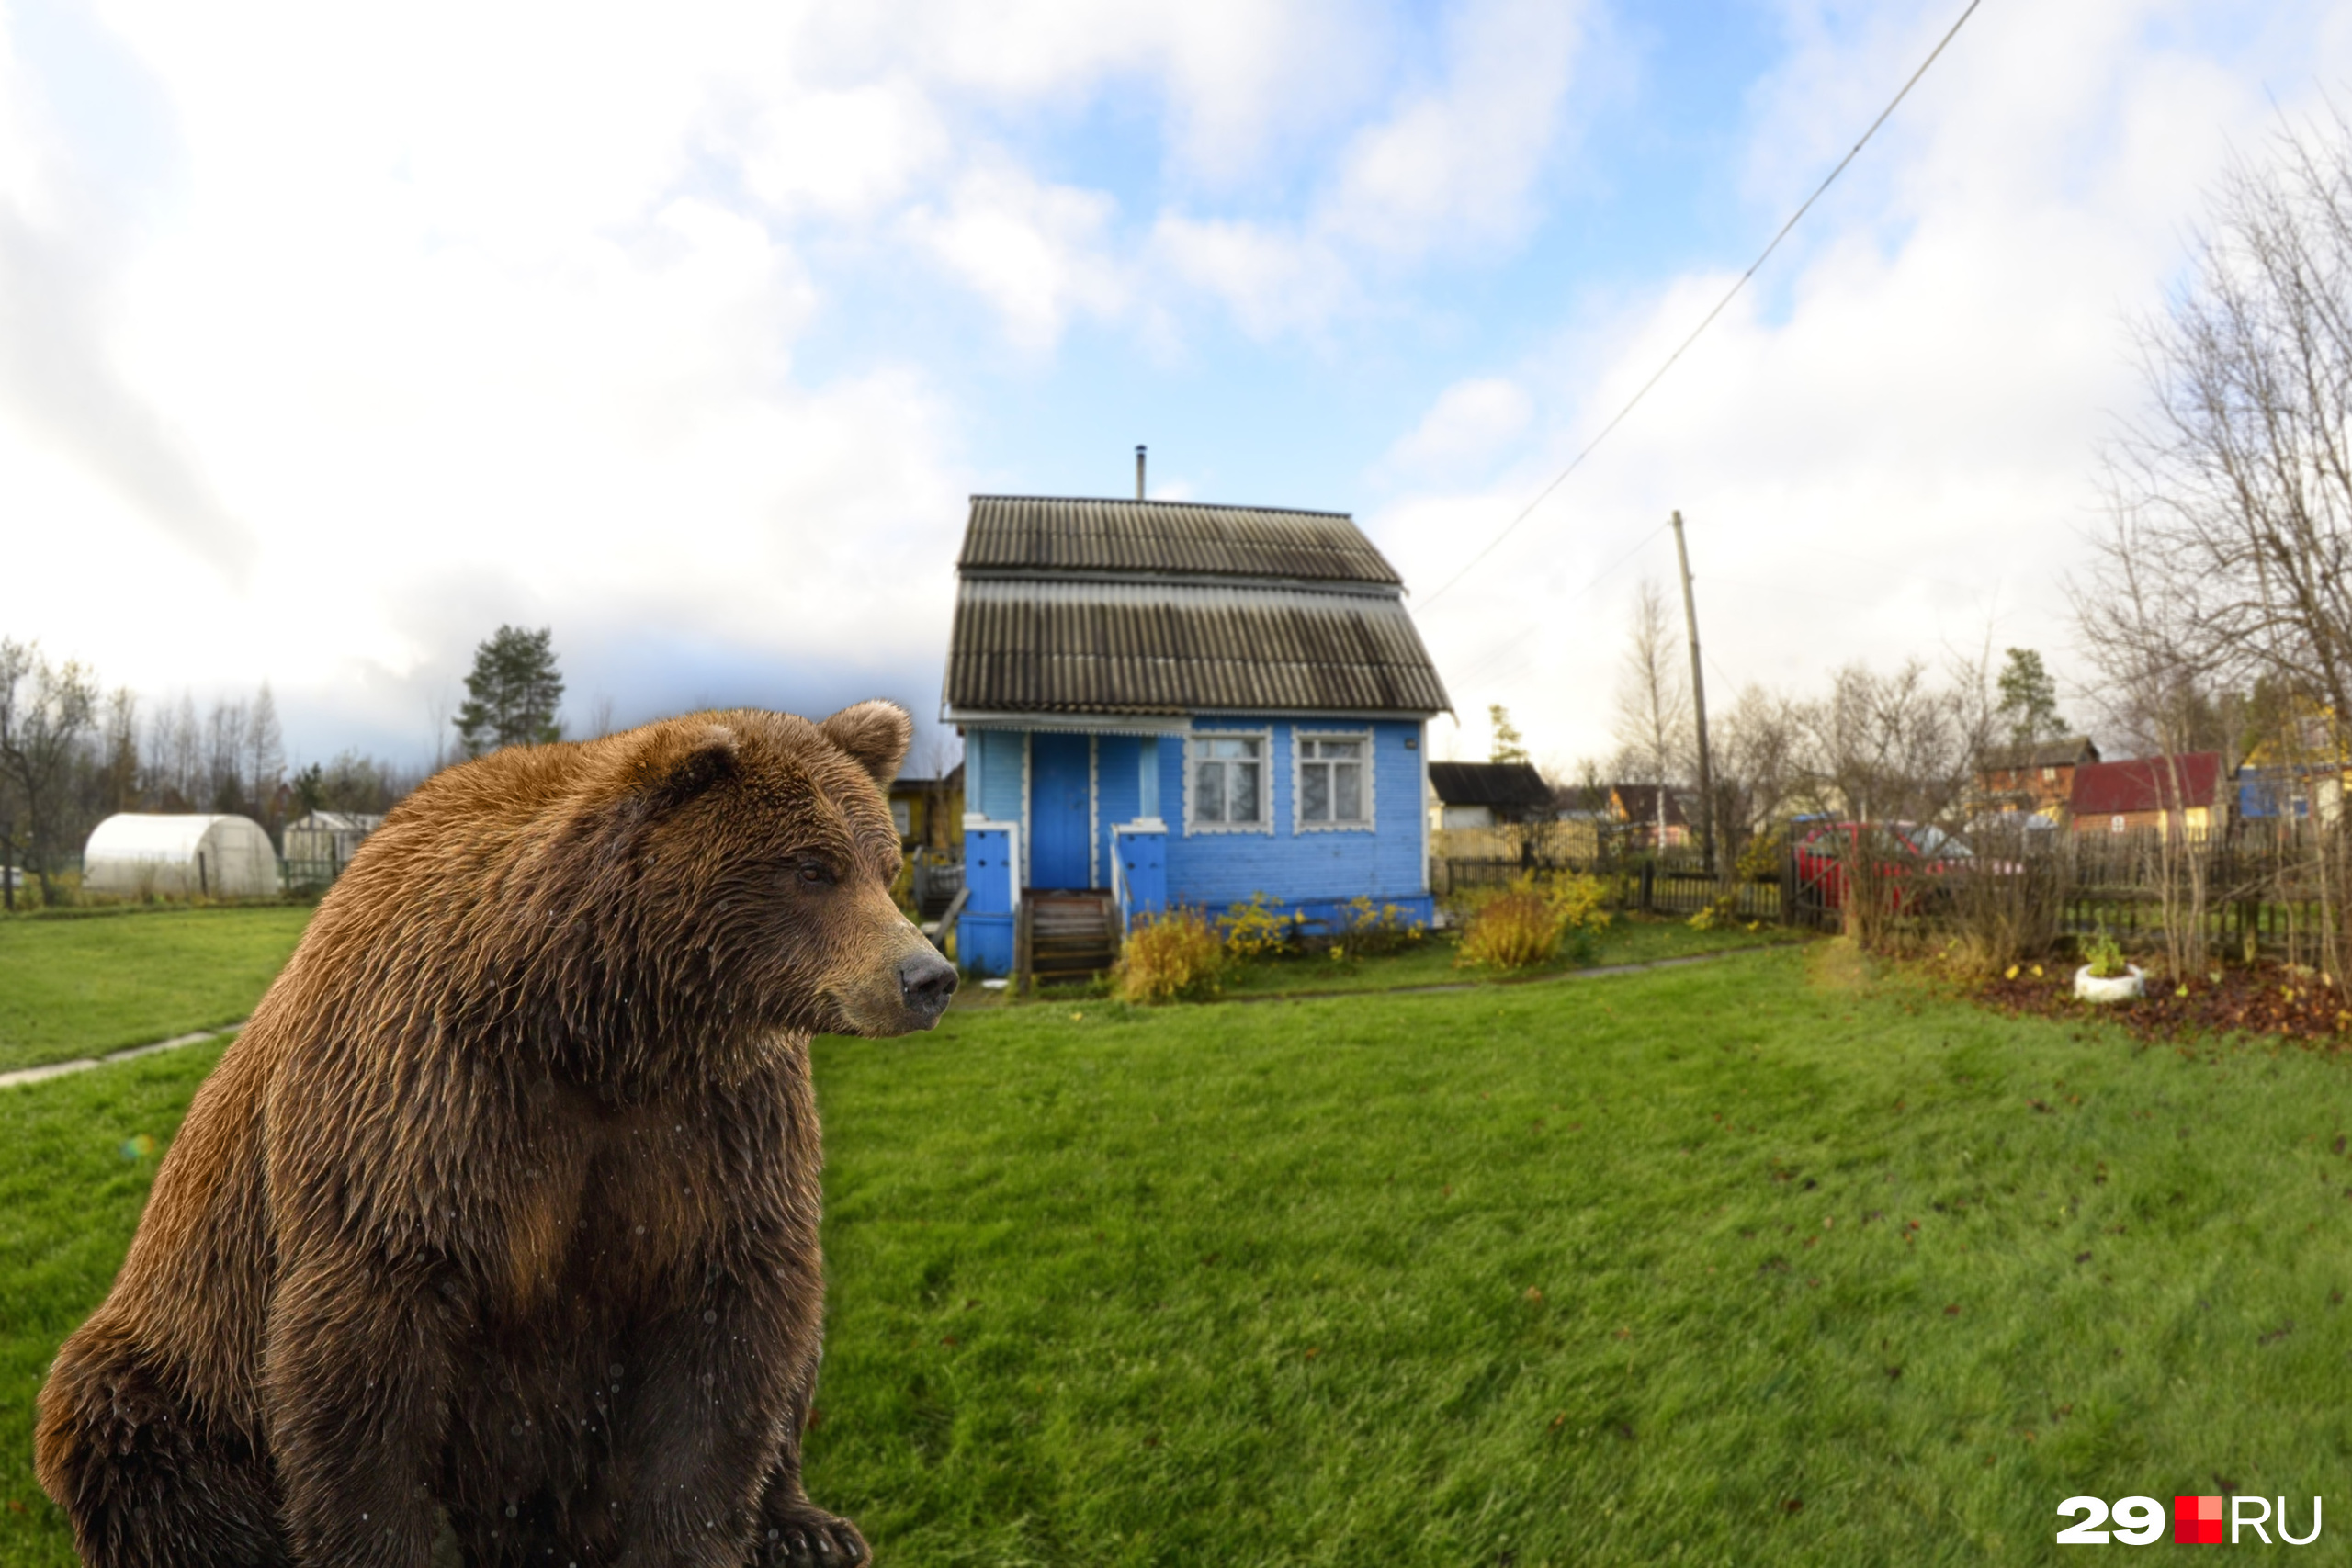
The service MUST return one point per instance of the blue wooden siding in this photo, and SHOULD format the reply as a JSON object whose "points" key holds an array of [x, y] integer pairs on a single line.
{"points": [[1119, 786], [1000, 784], [1382, 862]]}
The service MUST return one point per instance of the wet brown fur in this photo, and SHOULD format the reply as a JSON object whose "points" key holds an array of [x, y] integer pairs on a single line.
{"points": [[496, 1230]]}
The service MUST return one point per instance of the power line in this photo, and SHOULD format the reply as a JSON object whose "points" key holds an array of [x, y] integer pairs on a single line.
{"points": [[1659, 373]]}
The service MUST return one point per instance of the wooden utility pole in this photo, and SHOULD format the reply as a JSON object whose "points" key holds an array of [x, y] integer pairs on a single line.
{"points": [[1698, 707]]}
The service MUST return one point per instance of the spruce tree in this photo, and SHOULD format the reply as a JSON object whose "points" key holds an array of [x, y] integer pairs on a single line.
{"points": [[511, 695]]}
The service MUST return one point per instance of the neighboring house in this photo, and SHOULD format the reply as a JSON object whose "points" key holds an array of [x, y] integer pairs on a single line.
{"points": [[2146, 791], [2269, 793], [1171, 703], [1647, 821], [929, 812], [2037, 779], [1476, 806], [1481, 795], [2293, 780]]}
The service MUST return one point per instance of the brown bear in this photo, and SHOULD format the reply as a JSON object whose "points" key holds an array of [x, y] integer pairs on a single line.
{"points": [[493, 1238]]}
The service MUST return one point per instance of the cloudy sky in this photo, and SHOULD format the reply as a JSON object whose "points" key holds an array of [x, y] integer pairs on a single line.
{"points": [[330, 338]]}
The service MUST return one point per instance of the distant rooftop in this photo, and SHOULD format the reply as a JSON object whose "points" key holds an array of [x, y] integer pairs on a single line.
{"points": [[2069, 751], [1489, 783]]}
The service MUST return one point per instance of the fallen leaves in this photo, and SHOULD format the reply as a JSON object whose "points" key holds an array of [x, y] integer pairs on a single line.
{"points": [[2268, 998]]}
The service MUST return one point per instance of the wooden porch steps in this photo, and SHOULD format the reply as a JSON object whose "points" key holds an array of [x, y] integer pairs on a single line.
{"points": [[1071, 936]]}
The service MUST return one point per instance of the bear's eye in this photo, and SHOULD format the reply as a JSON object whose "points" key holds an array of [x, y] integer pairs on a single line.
{"points": [[817, 874]]}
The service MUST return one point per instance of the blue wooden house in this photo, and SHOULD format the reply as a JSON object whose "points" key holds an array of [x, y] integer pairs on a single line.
{"points": [[1164, 702]]}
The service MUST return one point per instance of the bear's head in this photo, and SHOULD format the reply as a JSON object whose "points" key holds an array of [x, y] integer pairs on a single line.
{"points": [[756, 855]]}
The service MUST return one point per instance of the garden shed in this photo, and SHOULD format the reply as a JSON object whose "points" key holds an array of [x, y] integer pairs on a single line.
{"points": [[137, 854]]}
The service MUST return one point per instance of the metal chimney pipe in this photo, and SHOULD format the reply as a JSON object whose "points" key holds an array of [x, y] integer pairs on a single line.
{"points": [[1138, 470]]}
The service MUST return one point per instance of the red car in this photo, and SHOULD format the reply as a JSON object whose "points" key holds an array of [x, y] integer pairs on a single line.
{"points": [[1915, 848]]}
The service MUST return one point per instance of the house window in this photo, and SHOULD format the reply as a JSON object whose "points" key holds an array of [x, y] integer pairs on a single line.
{"points": [[1332, 786], [903, 818], [2049, 775], [1226, 784]]}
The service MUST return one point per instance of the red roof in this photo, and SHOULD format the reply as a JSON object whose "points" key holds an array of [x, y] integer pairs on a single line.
{"points": [[2144, 784]]}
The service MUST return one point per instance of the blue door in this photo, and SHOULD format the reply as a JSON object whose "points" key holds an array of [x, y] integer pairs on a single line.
{"points": [[1057, 812]]}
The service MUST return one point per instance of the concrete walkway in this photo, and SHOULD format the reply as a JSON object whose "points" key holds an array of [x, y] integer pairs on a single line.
{"points": [[84, 1064]]}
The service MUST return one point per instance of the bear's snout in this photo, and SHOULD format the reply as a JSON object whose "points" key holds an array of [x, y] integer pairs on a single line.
{"points": [[900, 989], [925, 983]]}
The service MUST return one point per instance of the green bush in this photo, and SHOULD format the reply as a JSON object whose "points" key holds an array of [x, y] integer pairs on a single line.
{"points": [[1259, 929], [1168, 958], [2104, 955], [1369, 931], [1525, 924]]}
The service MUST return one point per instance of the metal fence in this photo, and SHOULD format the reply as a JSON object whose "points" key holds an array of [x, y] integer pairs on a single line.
{"points": [[1659, 881], [2260, 888]]}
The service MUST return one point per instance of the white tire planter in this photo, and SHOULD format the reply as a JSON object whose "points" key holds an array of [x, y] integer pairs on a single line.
{"points": [[2124, 988]]}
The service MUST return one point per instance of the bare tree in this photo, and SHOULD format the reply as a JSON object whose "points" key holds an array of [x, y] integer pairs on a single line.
{"points": [[45, 710], [224, 755], [1653, 702], [1758, 767], [264, 758], [119, 767], [2228, 553], [1886, 748]]}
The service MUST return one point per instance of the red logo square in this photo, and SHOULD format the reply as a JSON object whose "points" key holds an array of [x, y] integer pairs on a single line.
{"points": [[2197, 1521]]}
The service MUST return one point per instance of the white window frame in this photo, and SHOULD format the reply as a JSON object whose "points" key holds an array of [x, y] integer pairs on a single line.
{"points": [[1298, 822], [1265, 739]]}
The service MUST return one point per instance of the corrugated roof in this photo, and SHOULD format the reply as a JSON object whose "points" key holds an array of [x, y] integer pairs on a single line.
{"points": [[2069, 751], [1488, 784], [1020, 533], [2145, 784], [1038, 643]]}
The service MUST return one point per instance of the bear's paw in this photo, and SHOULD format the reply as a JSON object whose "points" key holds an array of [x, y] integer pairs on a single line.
{"points": [[803, 1536]]}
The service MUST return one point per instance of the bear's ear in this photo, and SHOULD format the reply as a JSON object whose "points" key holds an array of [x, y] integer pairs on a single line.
{"points": [[679, 766], [876, 735]]}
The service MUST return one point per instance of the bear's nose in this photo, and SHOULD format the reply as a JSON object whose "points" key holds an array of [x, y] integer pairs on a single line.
{"points": [[926, 981]]}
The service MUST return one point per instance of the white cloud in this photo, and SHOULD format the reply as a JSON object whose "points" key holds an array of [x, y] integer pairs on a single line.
{"points": [[462, 316], [1470, 423], [1452, 168], [1035, 250], [491, 363], [1888, 446], [1458, 165], [850, 153], [1272, 282]]}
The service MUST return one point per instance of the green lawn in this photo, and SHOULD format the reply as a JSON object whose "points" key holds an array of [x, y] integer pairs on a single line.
{"points": [[1431, 962], [77, 988], [76, 1156], [1761, 1260]]}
